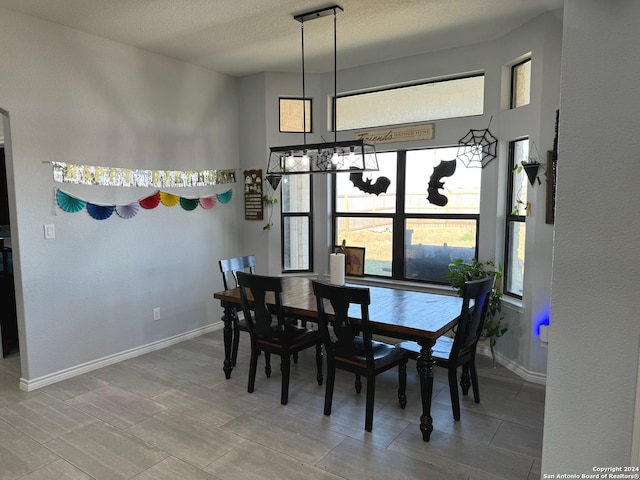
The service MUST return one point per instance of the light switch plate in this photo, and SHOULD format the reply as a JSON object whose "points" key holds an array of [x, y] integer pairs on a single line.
{"points": [[49, 231]]}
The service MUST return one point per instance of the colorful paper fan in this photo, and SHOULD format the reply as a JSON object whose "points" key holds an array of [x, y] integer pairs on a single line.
{"points": [[127, 211], [68, 203], [100, 212], [150, 202], [169, 199], [225, 197], [188, 203], [208, 202]]}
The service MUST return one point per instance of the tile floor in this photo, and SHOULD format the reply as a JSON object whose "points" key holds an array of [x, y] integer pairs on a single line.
{"points": [[171, 415]]}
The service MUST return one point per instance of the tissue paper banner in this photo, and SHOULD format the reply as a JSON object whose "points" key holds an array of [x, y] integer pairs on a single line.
{"points": [[336, 268]]}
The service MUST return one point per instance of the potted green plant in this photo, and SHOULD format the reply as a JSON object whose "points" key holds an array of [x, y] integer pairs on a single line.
{"points": [[461, 272], [530, 167], [269, 202]]}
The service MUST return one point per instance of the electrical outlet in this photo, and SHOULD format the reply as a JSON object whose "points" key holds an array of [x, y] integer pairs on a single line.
{"points": [[156, 313]]}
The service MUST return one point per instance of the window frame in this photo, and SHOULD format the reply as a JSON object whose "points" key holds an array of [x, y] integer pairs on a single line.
{"points": [[332, 103], [309, 112], [514, 67], [510, 217], [309, 216], [399, 219]]}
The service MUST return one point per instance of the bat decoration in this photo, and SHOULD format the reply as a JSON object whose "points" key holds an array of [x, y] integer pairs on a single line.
{"points": [[380, 186], [446, 168]]}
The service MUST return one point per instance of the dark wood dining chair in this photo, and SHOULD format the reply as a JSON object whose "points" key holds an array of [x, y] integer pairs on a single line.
{"points": [[229, 267], [347, 350], [460, 351], [280, 337]]}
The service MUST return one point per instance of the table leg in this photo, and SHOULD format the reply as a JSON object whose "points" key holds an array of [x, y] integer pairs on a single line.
{"points": [[228, 318], [425, 364]]}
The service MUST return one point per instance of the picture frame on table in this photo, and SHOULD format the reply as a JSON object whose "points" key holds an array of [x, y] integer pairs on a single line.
{"points": [[353, 260]]}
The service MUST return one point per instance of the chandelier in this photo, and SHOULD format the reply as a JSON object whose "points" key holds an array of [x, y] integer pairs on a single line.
{"points": [[329, 157]]}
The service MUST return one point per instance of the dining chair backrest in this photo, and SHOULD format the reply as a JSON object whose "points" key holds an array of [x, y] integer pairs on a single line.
{"points": [[341, 325], [476, 297], [256, 312], [231, 266]]}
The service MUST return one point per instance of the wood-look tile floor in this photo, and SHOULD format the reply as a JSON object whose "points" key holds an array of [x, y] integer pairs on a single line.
{"points": [[171, 414]]}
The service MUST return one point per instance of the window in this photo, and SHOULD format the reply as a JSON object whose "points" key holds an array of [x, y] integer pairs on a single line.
{"points": [[292, 110], [459, 97], [297, 223], [405, 234], [516, 227], [521, 84]]}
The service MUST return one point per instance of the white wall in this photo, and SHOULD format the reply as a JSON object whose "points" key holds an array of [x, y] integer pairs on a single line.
{"points": [[542, 37], [593, 349], [77, 98]]}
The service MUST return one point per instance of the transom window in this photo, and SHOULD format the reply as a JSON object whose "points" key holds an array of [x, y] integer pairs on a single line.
{"points": [[521, 84], [434, 100], [292, 111]]}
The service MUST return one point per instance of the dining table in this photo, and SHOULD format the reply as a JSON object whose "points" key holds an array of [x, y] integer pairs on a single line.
{"points": [[394, 312]]}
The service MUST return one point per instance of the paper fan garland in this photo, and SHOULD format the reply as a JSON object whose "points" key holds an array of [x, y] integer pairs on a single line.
{"points": [[71, 204], [128, 211], [208, 202], [150, 202], [169, 199], [100, 212], [188, 203], [225, 197], [68, 203]]}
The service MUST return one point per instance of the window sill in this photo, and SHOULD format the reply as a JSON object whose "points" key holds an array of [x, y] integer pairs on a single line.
{"points": [[513, 303]]}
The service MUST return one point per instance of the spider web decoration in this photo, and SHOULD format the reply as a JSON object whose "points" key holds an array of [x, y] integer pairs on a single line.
{"points": [[477, 148]]}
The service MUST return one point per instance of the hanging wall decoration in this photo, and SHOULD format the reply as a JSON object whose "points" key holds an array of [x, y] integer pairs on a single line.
{"points": [[477, 148], [208, 202], [128, 177], [71, 204], [68, 203], [100, 212], [128, 211], [152, 201], [379, 186], [253, 209], [445, 168], [225, 197], [169, 199]]}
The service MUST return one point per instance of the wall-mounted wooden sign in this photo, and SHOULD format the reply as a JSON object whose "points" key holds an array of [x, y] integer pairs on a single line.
{"points": [[253, 209], [399, 134]]}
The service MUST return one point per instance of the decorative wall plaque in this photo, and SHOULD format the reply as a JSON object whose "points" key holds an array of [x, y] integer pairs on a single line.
{"points": [[253, 209]]}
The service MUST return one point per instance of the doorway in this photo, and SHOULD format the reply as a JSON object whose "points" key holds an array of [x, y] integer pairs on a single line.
{"points": [[8, 318]]}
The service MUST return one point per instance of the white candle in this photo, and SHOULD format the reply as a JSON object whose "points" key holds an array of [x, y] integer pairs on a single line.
{"points": [[336, 268]]}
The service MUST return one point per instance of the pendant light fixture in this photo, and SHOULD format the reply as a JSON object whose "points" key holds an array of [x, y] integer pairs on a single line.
{"points": [[331, 157]]}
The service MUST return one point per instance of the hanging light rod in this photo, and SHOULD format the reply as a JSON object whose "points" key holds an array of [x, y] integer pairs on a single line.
{"points": [[329, 157], [322, 12]]}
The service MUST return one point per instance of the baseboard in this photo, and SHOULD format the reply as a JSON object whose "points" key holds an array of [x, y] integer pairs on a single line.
{"points": [[29, 385], [533, 377]]}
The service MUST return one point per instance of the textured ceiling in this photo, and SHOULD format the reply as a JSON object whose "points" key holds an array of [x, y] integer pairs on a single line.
{"points": [[240, 37]]}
